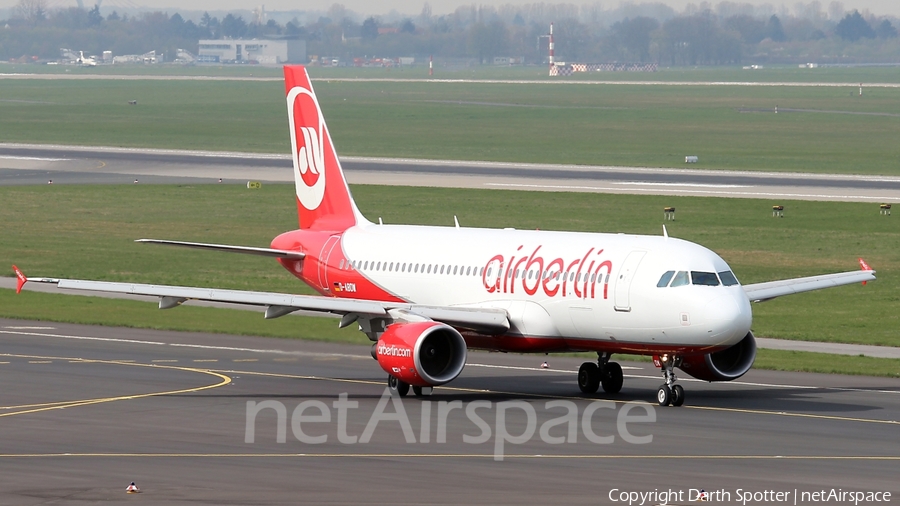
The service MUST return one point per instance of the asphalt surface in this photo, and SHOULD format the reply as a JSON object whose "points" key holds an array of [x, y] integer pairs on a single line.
{"points": [[35, 164], [87, 410]]}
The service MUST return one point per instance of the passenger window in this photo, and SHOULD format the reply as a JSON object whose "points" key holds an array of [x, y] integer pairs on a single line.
{"points": [[728, 278], [664, 280], [681, 279], [704, 278]]}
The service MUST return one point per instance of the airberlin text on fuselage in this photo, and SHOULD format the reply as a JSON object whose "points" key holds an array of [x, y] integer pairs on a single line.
{"points": [[393, 351], [555, 277]]}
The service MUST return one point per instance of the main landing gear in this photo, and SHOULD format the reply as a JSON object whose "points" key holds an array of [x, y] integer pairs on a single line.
{"points": [[401, 388], [398, 386], [604, 373], [669, 392]]}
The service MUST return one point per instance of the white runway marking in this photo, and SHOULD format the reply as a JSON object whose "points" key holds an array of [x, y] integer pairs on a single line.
{"points": [[535, 368], [693, 185], [33, 158]]}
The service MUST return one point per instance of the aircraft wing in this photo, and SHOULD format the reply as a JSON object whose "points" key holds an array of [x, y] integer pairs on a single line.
{"points": [[760, 292], [490, 320]]}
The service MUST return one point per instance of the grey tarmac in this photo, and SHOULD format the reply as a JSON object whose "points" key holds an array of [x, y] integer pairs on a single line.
{"points": [[37, 164]]}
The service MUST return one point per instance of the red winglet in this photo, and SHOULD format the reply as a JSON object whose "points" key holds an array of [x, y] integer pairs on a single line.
{"points": [[21, 279], [865, 267]]}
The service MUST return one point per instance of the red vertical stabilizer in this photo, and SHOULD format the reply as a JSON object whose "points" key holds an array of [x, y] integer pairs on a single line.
{"points": [[323, 198]]}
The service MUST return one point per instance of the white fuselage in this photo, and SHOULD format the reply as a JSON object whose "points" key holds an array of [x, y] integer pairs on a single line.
{"points": [[597, 287]]}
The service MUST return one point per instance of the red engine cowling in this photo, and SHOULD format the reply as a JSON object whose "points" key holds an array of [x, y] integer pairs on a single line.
{"points": [[726, 365], [421, 353]]}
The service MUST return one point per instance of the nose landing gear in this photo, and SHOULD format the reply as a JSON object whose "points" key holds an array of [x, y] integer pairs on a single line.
{"points": [[669, 392], [604, 373]]}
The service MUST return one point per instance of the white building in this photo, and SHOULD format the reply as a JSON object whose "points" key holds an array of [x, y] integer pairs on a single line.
{"points": [[272, 52]]}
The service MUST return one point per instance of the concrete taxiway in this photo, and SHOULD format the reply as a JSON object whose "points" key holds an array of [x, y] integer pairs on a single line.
{"points": [[38, 164], [87, 410]]}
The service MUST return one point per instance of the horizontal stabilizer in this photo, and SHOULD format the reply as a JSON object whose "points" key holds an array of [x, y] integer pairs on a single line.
{"points": [[248, 250]]}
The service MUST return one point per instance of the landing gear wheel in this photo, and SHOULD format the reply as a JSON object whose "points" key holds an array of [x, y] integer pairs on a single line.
{"points": [[664, 395], [612, 378], [589, 377], [417, 391], [398, 386], [677, 395]]}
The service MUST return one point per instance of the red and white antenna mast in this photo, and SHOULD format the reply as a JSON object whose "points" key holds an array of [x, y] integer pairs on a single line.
{"points": [[551, 45]]}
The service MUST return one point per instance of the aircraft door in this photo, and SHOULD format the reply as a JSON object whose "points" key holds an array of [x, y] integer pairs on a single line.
{"points": [[324, 256], [624, 278]]}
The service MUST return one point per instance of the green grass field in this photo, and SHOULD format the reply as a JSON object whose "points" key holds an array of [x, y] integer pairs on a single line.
{"points": [[652, 126], [87, 232]]}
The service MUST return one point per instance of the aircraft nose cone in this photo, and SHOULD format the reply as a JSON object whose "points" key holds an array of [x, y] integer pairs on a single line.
{"points": [[727, 319]]}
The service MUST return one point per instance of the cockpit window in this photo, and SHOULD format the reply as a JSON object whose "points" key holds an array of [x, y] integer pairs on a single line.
{"points": [[728, 278], [681, 279], [704, 278], [664, 280]]}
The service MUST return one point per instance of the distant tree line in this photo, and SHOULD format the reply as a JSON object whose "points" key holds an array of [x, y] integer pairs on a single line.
{"points": [[730, 33]]}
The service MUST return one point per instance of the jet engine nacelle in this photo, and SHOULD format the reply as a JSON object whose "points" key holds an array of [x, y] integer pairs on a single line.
{"points": [[725, 365], [421, 353]]}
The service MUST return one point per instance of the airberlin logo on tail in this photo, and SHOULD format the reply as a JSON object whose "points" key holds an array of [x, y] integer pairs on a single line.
{"points": [[308, 146]]}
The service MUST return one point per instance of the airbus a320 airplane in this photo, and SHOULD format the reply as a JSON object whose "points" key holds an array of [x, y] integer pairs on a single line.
{"points": [[424, 295]]}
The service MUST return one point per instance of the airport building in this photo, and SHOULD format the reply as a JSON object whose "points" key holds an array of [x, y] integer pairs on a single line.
{"points": [[272, 52]]}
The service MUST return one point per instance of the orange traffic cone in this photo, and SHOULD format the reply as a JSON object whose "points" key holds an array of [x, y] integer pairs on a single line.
{"points": [[132, 489]]}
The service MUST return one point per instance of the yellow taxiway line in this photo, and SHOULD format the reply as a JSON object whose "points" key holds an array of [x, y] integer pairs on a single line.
{"points": [[35, 408]]}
